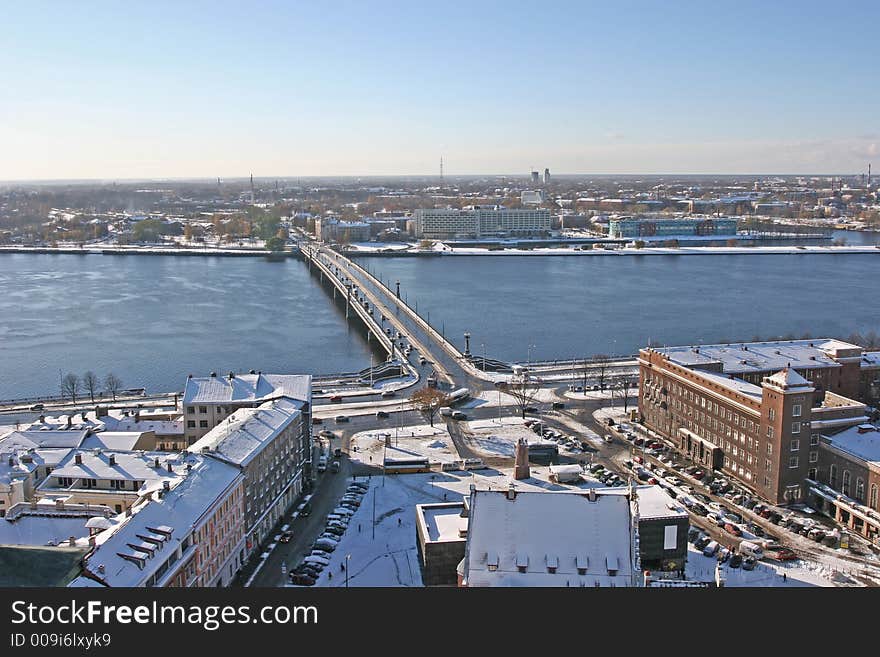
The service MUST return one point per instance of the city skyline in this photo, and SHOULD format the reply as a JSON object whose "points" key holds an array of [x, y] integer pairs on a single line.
{"points": [[207, 90]]}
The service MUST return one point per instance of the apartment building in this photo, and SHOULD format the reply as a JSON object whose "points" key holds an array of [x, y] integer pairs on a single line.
{"points": [[705, 400], [270, 444], [209, 400], [480, 221], [188, 532]]}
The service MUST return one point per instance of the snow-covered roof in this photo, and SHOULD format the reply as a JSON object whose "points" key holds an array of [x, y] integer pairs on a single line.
{"points": [[29, 439], [654, 502], [127, 466], [443, 522], [789, 379], [42, 530], [862, 441], [243, 435], [167, 520], [112, 440], [871, 359], [516, 540], [742, 358], [130, 423], [736, 385], [244, 388]]}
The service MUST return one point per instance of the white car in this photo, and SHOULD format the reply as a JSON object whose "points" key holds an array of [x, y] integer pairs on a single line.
{"points": [[313, 558]]}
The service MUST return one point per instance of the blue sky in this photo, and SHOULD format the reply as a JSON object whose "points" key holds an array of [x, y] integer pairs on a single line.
{"points": [[202, 89]]}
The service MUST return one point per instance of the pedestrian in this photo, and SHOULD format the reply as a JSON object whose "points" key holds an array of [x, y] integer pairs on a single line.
{"points": [[784, 577], [329, 575], [398, 522], [342, 566], [359, 528]]}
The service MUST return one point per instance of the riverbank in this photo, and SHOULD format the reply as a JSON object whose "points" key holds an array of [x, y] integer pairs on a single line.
{"points": [[149, 251], [628, 251]]}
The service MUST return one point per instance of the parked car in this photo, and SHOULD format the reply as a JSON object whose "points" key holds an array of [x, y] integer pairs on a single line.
{"points": [[314, 559], [701, 542], [749, 563], [285, 537], [700, 510], [730, 528], [388, 393], [735, 561], [301, 579], [382, 414], [783, 554], [336, 398], [558, 405], [334, 467], [341, 418]]}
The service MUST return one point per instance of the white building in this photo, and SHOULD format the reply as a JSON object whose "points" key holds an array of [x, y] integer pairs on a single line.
{"points": [[480, 221], [551, 539]]}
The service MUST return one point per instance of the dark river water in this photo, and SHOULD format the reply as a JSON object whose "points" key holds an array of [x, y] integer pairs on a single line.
{"points": [[153, 320]]}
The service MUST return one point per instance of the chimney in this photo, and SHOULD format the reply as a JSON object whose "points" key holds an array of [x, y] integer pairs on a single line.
{"points": [[42, 419], [101, 569], [188, 467], [166, 485], [112, 460], [252, 372], [511, 491], [137, 416], [591, 495], [214, 374], [521, 464], [189, 376], [69, 421], [72, 541], [84, 418], [169, 466], [231, 375], [100, 411], [77, 458]]}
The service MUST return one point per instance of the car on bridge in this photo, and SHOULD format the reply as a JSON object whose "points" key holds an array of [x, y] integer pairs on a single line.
{"points": [[341, 418]]}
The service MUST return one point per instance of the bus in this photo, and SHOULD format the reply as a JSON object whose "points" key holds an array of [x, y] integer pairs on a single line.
{"points": [[459, 395]]}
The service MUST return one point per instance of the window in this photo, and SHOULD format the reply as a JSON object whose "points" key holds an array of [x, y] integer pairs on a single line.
{"points": [[832, 476], [814, 440], [203, 424], [191, 424], [860, 489], [793, 462], [769, 449], [768, 464], [811, 474], [65, 481], [814, 456], [771, 414], [795, 427], [89, 483], [190, 410], [873, 500], [770, 432], [766, 482], [795, 445], [203, 409], [844, 488], [796, 410]]}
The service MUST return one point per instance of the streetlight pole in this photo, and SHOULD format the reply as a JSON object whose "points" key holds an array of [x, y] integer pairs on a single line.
{"points": [[347, 568]]}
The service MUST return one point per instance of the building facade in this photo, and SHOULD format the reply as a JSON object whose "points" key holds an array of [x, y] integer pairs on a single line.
{"points": [[764, 435], [670, 227], [480, 221]]}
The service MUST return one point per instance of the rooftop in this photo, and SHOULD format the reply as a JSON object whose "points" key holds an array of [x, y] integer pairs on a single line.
{"points": [[516, 542], [443, 521], [736, 385], [148, 467], [241, 436], [654, 502], [245, 388], [862, 441], [744, 358], [165, 520]]}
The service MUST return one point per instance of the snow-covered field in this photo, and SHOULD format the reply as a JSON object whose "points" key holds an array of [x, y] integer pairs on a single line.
{"points": [[406, 442], [494, 438]]}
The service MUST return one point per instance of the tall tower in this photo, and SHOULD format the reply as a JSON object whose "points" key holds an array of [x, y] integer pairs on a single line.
{"points": [[536, 177], [869, 175], [546, 176], [252, 189], [441, 172]]}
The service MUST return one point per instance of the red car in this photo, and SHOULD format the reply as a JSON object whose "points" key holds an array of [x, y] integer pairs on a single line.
{"points": [[783, 554], [336, 398], [699, 474], [732, 529]]}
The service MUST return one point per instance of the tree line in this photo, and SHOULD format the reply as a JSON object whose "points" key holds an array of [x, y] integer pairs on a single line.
{"points": [[73, 386]]}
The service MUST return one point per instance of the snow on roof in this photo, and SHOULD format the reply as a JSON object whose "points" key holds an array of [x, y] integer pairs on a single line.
{"points": [[28, 439], [247, 388], [128, 466], [871, 359], [862, 441], [788, 379], [742, 358], [130, 423], [41, 530], [443, 522], [112, 440], [247, 431], [734, 384], [654, 502], [177, 512], [530, 531]]}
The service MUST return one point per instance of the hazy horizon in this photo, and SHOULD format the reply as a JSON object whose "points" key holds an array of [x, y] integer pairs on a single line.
{"points": [[98, 91]]}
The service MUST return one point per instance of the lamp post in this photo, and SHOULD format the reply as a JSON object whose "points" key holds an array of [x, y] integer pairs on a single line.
{"points": [[483, 345], [467, 343], [347, 568], [529, 359]]}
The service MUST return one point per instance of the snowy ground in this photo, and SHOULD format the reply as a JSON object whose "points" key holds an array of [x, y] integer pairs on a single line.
{"points": [[494, 438], [406, 442], [766, 572]]}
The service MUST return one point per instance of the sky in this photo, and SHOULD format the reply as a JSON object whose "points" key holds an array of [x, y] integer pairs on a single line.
{"points": [[158, 89]]}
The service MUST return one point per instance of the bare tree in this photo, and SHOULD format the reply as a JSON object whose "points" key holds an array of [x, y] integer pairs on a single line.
{"points": [[70, 386], [622, 388], [524, 392], [601, 361], [90, 383], [429, 401], [112, 384]]}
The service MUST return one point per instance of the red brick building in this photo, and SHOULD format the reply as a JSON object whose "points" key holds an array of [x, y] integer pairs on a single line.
{"points": [[753, 411]]}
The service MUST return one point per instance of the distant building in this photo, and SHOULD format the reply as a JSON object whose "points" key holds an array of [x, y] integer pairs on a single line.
{"points": [[753, 411], [331, 229], [579, 539], [271, 445], [536, 177], [671, 227], [480, 221], [546, 176], [532, 197]]}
